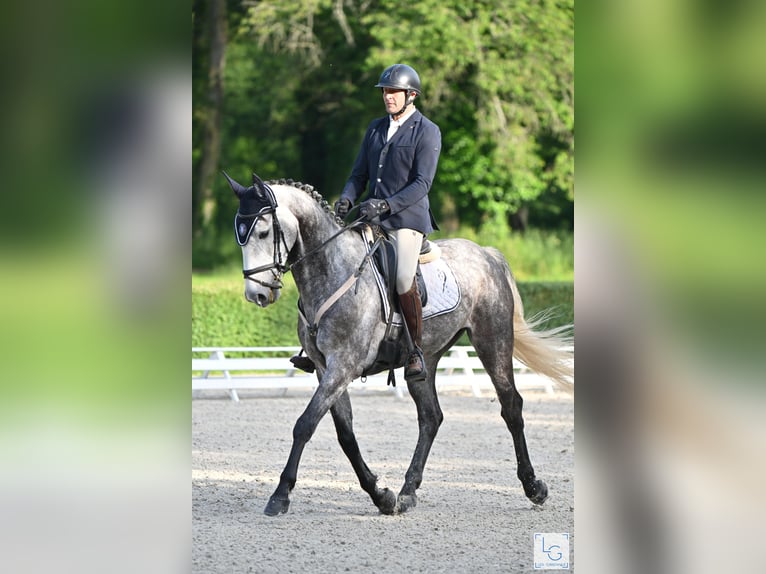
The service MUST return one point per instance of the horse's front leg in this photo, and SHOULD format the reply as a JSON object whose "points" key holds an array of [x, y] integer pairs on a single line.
{"points": [[331, 386], [430, 418], [342, 415]]}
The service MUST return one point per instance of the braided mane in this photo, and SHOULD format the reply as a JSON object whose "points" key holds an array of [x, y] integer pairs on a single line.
{"points": [[313, 193]]}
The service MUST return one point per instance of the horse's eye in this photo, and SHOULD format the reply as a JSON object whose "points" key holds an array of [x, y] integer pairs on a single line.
{"points": [[263, 234]]}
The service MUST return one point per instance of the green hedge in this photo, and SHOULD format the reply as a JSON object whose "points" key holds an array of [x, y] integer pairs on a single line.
{"points": [[222, 318]]}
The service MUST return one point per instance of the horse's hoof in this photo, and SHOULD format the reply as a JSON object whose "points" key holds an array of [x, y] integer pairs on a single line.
{"points": [[540, 493], [387, 502], [276, 506], [406, 501]]}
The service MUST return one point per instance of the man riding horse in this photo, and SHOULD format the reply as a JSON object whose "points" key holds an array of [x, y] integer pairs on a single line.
{"points": [[398, 159]]}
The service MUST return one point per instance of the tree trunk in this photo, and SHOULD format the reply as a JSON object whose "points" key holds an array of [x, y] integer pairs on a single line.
{"points": [[216, 29], [520, 219]]}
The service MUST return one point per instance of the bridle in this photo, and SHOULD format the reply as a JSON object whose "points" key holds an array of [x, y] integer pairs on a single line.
{"points": [[244, 224], [263, 203], [277, 267]]}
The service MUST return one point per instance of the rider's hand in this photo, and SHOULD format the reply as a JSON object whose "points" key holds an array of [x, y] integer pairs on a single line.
{"points": [[342, 207], [372, 208]]}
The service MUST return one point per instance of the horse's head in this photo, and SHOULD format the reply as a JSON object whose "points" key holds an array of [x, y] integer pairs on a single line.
{"points": [[262, 237]]}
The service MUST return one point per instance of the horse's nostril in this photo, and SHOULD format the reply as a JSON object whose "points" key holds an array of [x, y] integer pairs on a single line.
{"points": [[258, 298]]}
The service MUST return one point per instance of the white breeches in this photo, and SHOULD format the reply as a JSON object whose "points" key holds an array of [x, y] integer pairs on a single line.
{"points": [[408, 242]]}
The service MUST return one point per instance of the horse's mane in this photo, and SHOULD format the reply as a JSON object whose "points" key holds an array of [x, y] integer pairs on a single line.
{"points": [[313, 193]]}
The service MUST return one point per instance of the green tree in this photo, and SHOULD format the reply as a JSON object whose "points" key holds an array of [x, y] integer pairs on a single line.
{"points": [[299, 77], [324, 44], [499, 79]]}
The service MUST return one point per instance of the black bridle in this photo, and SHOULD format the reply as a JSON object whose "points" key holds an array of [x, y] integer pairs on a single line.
{"points": [[254, 203], [277, 266], [244, 224]]}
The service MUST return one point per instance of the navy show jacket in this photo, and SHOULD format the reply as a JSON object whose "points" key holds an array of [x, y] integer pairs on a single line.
{"points": [[400, 171]]}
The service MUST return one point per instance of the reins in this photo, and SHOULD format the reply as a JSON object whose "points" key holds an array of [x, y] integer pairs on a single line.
{"points": [[353, 225], [276, 266]]}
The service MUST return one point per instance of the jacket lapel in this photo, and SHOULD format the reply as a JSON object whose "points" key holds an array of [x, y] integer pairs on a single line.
{"points": [[406, 126], [382, 130]]}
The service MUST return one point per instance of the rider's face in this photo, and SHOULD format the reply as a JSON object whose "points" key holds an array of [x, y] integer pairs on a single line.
{"points": [[393, 99]]}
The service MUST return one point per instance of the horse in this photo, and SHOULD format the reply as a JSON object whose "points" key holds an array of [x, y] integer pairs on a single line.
{"points": [[286, 226]]}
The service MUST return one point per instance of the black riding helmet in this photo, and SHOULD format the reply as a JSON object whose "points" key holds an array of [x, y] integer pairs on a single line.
{"points": [[400, 77]]}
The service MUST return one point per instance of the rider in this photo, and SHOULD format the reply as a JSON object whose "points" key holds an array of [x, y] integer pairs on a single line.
{"points": [[398, 159]]}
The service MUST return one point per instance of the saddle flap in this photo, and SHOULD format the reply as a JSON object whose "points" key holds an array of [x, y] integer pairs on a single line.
{"points": [[385, 259]]}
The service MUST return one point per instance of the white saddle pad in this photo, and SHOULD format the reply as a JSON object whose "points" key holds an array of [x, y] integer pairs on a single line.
{"points": [[442, 287]]}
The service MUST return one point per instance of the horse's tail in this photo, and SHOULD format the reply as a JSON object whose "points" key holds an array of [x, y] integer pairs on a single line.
{"points": [[549, 352]]}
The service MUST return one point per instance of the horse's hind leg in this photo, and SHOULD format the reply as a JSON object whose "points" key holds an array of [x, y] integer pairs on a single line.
{"points": [[497, 358], [430, 418], [342, 415]]}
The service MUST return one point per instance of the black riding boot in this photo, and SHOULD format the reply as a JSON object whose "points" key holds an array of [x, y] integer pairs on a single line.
{"points": [[412, 310]]}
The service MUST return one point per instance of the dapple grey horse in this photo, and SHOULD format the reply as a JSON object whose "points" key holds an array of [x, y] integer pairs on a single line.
{"points": [[287, 226]]}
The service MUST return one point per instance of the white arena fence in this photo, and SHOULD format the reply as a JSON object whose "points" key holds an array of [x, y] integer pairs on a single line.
{"points": [[237, 368]]}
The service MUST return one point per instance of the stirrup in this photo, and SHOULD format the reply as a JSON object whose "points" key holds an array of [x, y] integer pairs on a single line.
{"points": [[415, 375]]}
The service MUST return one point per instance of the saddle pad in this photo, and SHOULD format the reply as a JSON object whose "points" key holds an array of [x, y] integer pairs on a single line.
{"points": [[443, 290]]}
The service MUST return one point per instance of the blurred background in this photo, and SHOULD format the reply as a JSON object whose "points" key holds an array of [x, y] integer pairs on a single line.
{"points": [[95, 252], [670, 276], [94, 260]]}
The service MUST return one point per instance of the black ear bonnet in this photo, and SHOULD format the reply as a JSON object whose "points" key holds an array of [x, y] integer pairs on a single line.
{"points": [[254, 202]]}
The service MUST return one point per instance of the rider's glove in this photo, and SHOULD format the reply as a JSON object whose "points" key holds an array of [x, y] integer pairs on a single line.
{"points": [[372, 208], [342, 207]]}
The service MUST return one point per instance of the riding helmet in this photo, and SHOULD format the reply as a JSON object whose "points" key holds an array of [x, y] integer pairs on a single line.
{"points": [[400, 77]]}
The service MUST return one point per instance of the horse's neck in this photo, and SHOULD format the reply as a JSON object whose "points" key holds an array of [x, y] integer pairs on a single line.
{"points": [[327, 259], [320, 274]]}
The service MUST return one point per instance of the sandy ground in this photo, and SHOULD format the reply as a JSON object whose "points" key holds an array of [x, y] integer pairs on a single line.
{"points": [[472, 515]]}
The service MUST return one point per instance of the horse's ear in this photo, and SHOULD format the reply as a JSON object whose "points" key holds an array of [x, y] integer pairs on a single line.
{"points": [[260, 189], [238, 189]]}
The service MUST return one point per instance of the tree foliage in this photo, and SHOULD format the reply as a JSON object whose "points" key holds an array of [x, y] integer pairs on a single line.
{"points": [[498, 78]]}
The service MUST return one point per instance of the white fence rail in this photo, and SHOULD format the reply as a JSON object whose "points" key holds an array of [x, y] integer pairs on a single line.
{"points": [[236, 368]]}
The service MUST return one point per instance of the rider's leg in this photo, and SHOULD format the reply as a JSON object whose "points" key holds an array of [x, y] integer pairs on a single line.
{"points": [[408, 244]]}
